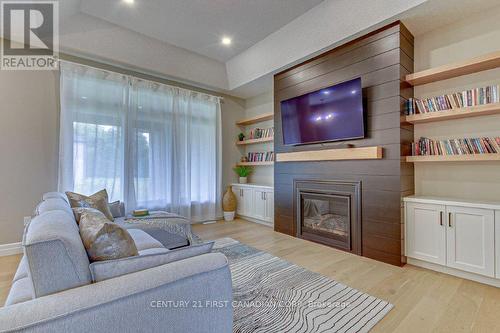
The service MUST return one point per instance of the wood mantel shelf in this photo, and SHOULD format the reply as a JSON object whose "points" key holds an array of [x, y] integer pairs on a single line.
{"points": [[473, 65], [362, 153]]}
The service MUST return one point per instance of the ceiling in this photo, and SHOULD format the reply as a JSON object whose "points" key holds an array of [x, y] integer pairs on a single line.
{"points": [[198, 25]]}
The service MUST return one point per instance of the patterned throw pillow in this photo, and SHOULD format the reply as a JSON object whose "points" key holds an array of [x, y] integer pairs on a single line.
{"points": [[104, 240], [97, 200]]}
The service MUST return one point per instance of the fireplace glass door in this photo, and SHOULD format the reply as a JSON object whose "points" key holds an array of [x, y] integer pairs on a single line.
{"points": [[327, 215]]}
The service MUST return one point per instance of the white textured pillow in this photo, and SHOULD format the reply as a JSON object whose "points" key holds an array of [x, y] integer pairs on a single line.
{"points": [[103, 270]]}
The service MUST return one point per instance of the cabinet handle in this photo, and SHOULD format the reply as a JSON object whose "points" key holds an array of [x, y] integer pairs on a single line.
{"points": [[265, 196], [449, 219], [441, 218]]}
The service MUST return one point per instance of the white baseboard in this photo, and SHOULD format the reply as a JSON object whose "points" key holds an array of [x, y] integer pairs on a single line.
{"points": [[456, 272], [10, 249]]}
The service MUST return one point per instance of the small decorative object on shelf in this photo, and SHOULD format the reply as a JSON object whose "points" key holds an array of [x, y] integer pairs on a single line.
{"points": [[261, 157], [243, 172], [243, 159], [229, 204], [241, 137], [465, 146]]}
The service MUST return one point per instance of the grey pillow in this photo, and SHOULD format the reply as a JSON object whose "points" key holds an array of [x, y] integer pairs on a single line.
{"points": [[104, 240], [117, 209], [103, 270]]}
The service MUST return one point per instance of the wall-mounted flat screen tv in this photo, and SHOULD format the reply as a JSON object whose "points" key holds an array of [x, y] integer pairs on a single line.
{"points": [[330, 114]]}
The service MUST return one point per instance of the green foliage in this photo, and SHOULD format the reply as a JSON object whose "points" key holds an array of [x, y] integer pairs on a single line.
{"points": [[241, 136], [243, 170]]}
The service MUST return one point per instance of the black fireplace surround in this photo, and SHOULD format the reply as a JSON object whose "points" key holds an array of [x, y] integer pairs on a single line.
{"points": [[329, 212]]}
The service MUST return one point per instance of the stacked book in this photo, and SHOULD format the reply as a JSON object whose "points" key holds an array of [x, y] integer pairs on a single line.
{"points": [[261, 157], [471, 97], [466, 146], [259, 133]]}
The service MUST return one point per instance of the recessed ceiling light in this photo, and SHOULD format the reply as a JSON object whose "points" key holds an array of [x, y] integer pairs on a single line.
{"points": [[226, 41], [129, 2]]}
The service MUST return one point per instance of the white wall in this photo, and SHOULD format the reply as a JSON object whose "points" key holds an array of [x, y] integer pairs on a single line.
{"points": [[473, 36], [29, 120], [253, 107], [321, 28]]}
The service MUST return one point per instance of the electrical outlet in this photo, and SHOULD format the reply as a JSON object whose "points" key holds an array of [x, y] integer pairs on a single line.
{"points": [[27, 220]]}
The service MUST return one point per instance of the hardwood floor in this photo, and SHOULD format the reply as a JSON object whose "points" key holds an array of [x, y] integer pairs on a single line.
{"points": [[424, 301]]}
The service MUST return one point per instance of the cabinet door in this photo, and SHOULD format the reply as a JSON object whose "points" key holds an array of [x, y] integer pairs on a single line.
{"points": [[238, 192], [246, 201], [269, 196], [259, 208], [471, 240], [426, 232], [497, 242]]}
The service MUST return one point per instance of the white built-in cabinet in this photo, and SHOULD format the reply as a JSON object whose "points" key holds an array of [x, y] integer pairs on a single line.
{"points": [[459, 235], [255, 202]]}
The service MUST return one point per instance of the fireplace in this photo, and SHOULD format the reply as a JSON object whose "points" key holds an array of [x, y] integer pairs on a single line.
{"points": [[329, 212]]}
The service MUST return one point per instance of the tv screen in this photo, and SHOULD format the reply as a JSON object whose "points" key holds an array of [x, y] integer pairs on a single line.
{"points": [[330, 114]]}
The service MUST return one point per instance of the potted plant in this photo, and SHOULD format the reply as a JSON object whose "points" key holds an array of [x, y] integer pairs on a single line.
{"points": [[241, 136], [243, 172]]}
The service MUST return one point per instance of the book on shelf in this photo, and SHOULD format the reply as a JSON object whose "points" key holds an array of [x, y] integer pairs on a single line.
{"points": [[467, 98], [463, 146], [259, 133], [261, 157]]}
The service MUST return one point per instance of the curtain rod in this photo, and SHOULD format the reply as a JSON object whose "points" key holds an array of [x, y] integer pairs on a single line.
{"points": [[140, 78]]}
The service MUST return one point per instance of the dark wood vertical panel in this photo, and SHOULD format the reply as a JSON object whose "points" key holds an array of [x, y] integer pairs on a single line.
{"points": [[381, 59]]}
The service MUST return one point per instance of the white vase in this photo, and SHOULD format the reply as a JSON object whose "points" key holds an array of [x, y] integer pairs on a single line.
{"points": [[228, 216], [243, 180]]}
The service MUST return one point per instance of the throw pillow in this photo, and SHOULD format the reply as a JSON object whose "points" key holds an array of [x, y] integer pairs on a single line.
{"points": [[117, 209], [97, 200], [104, 240]]}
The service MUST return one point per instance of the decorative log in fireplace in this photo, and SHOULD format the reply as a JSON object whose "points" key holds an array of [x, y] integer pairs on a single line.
{"points": [[329, 212]]}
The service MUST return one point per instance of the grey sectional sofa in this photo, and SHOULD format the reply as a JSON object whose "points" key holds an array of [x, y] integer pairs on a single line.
{"points": [[55, 288]]}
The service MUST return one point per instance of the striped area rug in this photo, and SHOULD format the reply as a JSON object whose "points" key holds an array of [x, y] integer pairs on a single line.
{"points": [[273, 295]]}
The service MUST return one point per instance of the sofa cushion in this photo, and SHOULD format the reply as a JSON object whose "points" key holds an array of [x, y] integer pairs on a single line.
{"points": [[53, 195], [21, 291], [98, 200], [143, 240], [22, 270], [113, 268], [104, 240], [55, 254], [53, 204]]}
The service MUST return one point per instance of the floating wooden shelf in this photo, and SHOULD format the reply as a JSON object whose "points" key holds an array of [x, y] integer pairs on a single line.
{"points": [[253, 141], [254, 120], [363, 153], [474, 65], [472, 111], [254, 163], [454, 158]]}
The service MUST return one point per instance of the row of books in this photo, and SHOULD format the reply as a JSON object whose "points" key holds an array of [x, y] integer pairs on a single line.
{"points": [[465, 146], [259, 133], [471, 97], [261, 157]]}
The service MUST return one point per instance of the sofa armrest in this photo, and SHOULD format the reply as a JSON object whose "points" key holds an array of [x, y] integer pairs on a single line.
{"points": [[191, 295]]}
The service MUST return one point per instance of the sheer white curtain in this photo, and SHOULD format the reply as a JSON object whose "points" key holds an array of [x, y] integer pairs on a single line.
{"points": [[166, 142]]}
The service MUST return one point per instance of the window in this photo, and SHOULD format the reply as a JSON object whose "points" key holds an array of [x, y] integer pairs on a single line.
{"points": [[151, 145]]}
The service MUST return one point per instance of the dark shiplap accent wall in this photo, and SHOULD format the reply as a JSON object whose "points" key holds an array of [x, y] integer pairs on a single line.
{"points": [[381, 59]]}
